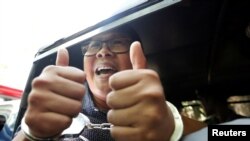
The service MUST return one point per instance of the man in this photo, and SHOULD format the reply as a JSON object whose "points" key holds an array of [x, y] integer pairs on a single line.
{"points": [[120, 90]]}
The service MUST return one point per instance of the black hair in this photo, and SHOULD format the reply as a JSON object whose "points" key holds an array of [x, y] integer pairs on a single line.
{"points": [[126, 29], [131, 32]]}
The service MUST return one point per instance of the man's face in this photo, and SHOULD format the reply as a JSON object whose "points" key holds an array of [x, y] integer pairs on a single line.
{"points": [[103, 64]]}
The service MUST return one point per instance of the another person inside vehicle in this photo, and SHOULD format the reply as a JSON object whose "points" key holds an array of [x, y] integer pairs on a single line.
{"points": [[119, 89]]}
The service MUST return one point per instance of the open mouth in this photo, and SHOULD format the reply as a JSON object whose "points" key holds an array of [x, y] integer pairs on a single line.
{"points": [[105, 70]]}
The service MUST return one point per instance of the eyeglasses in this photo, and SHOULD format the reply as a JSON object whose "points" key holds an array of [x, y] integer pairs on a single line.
{"points": [[117, 45]]}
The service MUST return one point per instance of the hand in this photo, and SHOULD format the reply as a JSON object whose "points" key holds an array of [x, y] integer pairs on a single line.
{"points": [[55, 98], [138, 108]]}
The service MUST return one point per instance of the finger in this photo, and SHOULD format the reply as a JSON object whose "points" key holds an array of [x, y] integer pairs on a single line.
{"points": [[122, 76], [137, 57], [71, 73], [62, 58], [135, 76], [123, 98], [71, 106], [122, 117]]}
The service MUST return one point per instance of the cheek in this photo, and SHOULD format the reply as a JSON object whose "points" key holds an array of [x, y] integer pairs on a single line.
{"points": [[88, 66], [125, 63]]}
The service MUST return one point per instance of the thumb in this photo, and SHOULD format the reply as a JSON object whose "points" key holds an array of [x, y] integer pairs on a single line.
{"points": [[137, 57], [62, 58]]}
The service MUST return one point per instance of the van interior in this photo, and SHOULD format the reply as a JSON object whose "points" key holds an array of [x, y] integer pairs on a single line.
{"points": [[200, 48]]}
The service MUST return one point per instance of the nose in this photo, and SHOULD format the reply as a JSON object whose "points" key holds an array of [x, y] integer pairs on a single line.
{"points": [[104, 51]]}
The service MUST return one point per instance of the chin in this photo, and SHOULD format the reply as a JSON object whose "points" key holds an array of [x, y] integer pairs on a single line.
{"points": [[101, 93]]}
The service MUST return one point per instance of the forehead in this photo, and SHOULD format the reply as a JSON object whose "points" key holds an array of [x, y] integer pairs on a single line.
{"points": [[110, 35]]}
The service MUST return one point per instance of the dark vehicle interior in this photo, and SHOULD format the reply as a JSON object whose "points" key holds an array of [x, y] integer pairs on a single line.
{"points": [[200, 48]]}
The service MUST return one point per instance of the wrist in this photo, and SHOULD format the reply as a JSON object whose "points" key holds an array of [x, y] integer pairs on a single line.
{"points": [[178, 128], [29, 136]]}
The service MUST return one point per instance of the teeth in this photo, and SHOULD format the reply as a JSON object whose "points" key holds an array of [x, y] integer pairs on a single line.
{"points": [[105, 70]]}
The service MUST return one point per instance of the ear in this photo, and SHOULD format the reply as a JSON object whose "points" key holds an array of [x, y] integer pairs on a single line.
{"points": [[137, 57]]}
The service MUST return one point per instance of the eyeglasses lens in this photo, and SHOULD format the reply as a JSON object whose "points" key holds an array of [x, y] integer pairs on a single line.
{"points": [[119, 45]]}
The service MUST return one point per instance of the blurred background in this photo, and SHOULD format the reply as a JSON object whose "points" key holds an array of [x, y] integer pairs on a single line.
{"points": [[27, 25]]}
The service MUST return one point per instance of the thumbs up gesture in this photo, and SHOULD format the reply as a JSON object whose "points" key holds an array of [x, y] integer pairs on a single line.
{"points": [[55, 98], [138, 108]]}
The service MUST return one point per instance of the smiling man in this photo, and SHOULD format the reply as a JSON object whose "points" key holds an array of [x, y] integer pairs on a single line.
{"points": [[118, 89]]}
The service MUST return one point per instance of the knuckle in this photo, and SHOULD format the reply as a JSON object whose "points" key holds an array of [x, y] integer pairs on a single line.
{"points": [[34, 98], [32, 120], [77, 108], [150, 76], [29, 120], [40, 81], [153, 115], [110, 116], [80, 91], [153, 93], [68, 122], [110, 99], [112, 81], [49, 68]]}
